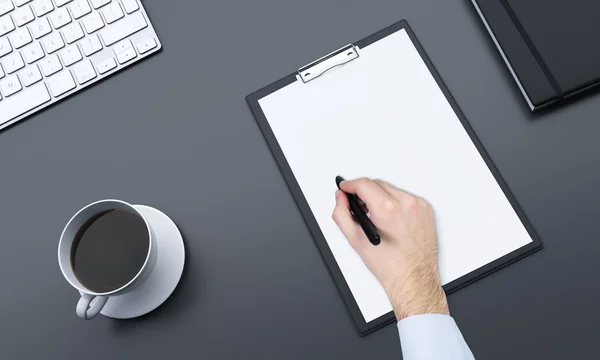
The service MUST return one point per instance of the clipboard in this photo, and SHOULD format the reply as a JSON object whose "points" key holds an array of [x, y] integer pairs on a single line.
{"points": [[287, 110]]}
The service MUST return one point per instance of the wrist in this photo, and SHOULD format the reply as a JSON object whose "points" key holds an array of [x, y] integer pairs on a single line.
{"points": [[411, 301]]}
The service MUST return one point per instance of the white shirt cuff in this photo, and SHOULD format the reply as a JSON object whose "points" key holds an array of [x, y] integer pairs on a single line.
{"points": [[432, 337]]}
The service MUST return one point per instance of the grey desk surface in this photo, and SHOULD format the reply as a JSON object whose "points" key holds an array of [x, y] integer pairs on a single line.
{"points": [[175, 132]]}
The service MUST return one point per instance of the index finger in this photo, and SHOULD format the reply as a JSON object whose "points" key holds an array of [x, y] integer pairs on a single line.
{"points": [[368, 191]]}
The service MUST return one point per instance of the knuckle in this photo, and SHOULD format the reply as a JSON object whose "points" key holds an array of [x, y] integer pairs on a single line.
{"points": [[431, 212], [424, 203], [390, 207], [412, 204], [426, 207], [337, 214], [362, 181]]}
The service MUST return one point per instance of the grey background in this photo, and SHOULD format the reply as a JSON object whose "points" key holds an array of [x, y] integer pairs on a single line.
{"points": [[175, 132]]}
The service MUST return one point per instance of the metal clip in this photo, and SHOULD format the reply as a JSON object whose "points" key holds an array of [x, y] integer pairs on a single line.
{"points": [[328, 62]]}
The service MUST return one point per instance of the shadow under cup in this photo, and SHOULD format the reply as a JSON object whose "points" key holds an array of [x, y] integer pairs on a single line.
{"points": [[97, 245]]}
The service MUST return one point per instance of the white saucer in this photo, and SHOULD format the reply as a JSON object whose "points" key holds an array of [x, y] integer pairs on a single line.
{"points": [[164, 278]]}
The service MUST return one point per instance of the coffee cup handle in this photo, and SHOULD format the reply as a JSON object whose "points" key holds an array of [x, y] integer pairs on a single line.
{"points": [[86, 310]]}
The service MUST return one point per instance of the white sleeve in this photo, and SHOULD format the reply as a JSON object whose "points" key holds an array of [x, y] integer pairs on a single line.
{"points": [[432, 337]]}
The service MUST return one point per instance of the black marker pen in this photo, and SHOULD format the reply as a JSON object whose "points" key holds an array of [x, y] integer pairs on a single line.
{"points": [[360, 216]]}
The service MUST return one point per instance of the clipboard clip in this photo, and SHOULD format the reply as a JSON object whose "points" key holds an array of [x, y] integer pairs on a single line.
{"points": [[337, 58]]}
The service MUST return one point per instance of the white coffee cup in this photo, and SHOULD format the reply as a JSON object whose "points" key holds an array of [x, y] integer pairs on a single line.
{"points": [[91, 303]]}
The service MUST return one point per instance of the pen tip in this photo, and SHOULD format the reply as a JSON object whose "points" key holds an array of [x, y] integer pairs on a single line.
{"points": [[376, 239], [338, 180]]}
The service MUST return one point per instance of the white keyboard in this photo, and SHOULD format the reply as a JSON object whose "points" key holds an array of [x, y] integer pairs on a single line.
{"points": [[50, 49]]}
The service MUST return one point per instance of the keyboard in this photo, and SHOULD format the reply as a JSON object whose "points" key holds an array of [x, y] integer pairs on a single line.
{"points": [[50, 49]]}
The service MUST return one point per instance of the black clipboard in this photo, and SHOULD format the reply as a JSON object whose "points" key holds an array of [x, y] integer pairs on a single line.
{"points": [[365, 328]]}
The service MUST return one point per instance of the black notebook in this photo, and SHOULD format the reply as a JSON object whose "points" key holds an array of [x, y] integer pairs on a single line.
{"points": [[552, 47]]}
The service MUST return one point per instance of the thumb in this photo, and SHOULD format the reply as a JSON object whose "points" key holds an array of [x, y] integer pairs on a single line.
{"points": [[344, 220]]}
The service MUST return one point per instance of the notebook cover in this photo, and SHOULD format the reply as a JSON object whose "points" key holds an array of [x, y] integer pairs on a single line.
{"points": [[549, 45]]}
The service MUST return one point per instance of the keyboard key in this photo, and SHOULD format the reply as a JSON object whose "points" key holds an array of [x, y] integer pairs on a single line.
{"points": [[10, 85], [122, 29], [93, 23], [146, 46], [60, 18], [42, 7], [70, 55], [30, 75], [130, 6], [84, 71], [50, 65], [40, 28], [21, 103], [6, 6], [112, 13], [53, 42], [23, 15], [106, 66], [12, 62], [20, 38], [73, 33], [62, 2], [1, 74], [6, 25], [91, 45], [80, 8], [21, 2], [61, 83], [126, 56], [5, 47], [33, 52], [124, 51], [122, 46], [97, 4]]}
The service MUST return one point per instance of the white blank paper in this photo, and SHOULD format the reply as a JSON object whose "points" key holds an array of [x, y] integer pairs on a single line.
{"points": [[388, 101]]}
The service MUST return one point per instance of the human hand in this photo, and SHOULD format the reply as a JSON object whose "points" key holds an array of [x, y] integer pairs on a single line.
{"points": [[406, 261]]}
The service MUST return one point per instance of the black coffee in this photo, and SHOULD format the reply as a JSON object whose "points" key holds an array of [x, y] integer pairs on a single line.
{"points": [[109, 250]]}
